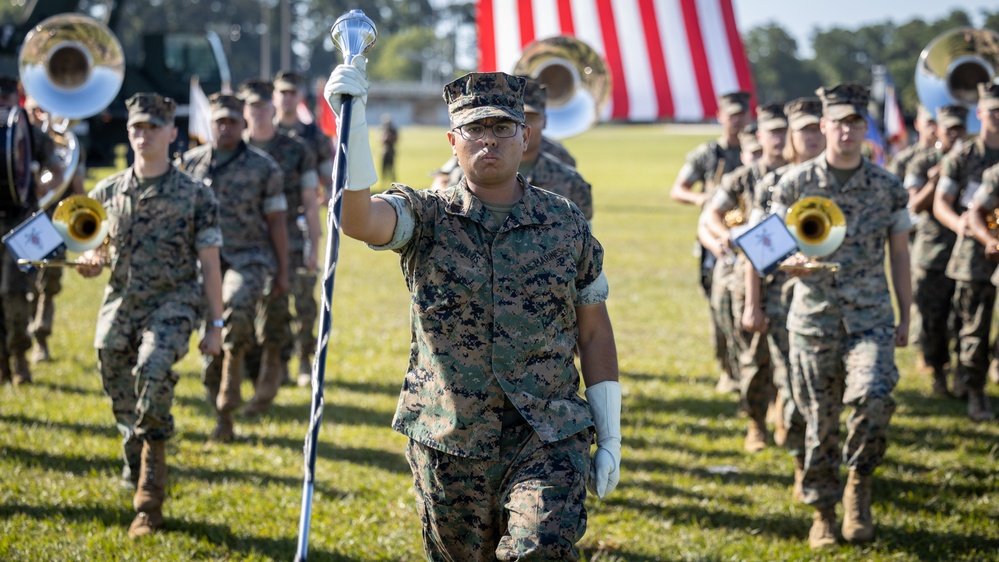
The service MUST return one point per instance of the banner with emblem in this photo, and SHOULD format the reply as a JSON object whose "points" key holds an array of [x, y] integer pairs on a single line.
{"points": [[668, 59]]}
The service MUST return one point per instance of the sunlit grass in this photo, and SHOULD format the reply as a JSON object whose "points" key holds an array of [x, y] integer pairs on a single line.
{"points": [[936, 498]]}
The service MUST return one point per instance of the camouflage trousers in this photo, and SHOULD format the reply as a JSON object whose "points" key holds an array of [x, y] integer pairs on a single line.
{"points": [[974, 301], [140, 384], [242, 292], [48, 284], [526, 505], [756, 375], [828, 372], [933, 294], [726, 346], [15, 310], [777, 293]]}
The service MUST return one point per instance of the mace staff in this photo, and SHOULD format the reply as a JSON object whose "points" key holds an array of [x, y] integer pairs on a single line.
{"points": [[353, 33]]}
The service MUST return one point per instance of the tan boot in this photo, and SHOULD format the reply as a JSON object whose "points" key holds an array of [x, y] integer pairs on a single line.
{"points": [[979, 409], [823, 533], [229, 397], [994, 370], [223, 432], [268, 382], [858, 526], [22, 371], [756, 437], [797, 494], [151, 491], [940, 382], [780, 430], [40, 354]]}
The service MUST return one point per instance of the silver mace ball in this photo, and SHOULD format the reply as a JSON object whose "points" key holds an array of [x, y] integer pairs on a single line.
{"points": [[353, 33]]}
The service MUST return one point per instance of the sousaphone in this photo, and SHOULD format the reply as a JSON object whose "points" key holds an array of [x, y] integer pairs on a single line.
{"points": [[951, 67]]}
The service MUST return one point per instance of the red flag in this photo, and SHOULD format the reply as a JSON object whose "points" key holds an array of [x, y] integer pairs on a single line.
{"points": [[324, 115], [895, 129], [667, 59]]}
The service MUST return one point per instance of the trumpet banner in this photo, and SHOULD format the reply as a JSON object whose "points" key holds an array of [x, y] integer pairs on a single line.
{"points": [[667, 59]]}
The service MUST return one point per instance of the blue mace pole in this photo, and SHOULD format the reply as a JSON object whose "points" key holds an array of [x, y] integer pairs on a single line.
{"points": [[353, 33]]}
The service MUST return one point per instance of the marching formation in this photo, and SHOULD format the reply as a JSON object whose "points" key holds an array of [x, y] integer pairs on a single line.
{"points": [[506, 434], [805, 341]]}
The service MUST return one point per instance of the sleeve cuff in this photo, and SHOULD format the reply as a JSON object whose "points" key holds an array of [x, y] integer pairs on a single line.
{"points": [[405, 223]]}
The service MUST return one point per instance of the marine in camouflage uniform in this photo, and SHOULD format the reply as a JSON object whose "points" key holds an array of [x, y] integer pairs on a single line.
{"points": [[926, 125], [974, 294], [16, 285], [933, 243], [541, 169], [502, 293], [289, 90], [280, 329], [162, 227], [736, 195], [706, 165], [841, 323], [248, 185]]}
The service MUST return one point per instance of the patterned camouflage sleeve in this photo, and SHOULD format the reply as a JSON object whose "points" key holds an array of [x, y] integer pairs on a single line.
{"points": [[726, 197], [785, 194], [695, 167], [916, 171], [206, 217], [405, 220], [901, 220], [951, 176], [308, 176], [987, 196], [274, 199]]}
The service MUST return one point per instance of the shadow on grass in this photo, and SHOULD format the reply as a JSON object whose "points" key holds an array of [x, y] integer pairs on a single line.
{"points": [[80, 466], [287, 413], [103, 429], [708, 380], [80, 390], [926, 545], [218, 536]]}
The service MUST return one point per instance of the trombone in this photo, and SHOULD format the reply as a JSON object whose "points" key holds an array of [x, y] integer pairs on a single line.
{"points": [[83, 225], [818, 225]]}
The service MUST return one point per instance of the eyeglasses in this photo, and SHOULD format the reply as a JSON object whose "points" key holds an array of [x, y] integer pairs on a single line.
{"points": [[851, 124], [475, 131]]}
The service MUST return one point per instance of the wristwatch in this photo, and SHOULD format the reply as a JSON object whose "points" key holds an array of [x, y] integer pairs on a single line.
{"points": [[218, 323]]}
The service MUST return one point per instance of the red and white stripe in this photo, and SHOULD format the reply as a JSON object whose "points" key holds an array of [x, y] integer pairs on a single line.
{"points": [[667, 59]]}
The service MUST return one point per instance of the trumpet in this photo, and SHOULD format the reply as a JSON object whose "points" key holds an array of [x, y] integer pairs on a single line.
{"points": [[819, 227], [83, 225]]}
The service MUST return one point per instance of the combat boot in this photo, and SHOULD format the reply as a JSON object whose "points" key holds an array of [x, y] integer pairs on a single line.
{"points": [[228, 397], [979, 409], [994, 370], [858, 526], [151, 490], [268, 382], [22, 371], [304, 369], [40, 354], [823, 531], [223, 432], [940, 382], [959, 389], [797, 492], [756, 436], [780, 429]]}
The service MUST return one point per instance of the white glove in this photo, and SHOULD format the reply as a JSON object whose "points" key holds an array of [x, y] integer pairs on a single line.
{"points": [[605, 405], [352, 79]]}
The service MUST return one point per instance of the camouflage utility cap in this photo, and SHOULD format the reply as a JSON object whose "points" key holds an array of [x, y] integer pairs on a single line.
{"points": [[255, 90], [950, 116], [925, 115], [771, 117], [480, 95], [803, 112], [843, 100], [988, 95], [8, 85], [535, 96], [734, 102], [226, 105], [747, 139], [152, 108], [288, 80]]}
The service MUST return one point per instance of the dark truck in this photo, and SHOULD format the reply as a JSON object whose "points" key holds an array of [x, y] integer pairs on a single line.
{"points": [[161, 62]]}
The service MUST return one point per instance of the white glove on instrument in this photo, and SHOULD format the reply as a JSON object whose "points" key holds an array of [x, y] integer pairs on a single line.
{"points": [[352, 79], [605, 405]]}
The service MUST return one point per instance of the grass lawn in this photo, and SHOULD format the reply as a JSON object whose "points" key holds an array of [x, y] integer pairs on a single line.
{"points": [[688, 491]]}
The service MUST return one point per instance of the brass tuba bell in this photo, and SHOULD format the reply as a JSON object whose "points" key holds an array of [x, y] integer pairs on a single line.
{"points": [[72, 66], [575, 78], [952, 65], [818, 225]]}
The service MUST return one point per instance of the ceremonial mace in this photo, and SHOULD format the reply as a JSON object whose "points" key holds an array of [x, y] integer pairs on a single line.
{"points": [[353, 33]]}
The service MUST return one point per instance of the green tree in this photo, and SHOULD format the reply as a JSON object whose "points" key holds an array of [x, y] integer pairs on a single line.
{"points": [[773, 55], [404, 56]]}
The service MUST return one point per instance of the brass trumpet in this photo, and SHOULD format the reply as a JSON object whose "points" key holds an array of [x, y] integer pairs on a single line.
{"points": [[819, 227], [83, 225]]}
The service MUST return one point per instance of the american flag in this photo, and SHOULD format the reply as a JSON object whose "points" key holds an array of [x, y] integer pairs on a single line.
{"points": [[667, 59]]}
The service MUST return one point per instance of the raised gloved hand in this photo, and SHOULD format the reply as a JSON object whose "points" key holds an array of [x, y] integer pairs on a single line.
{"points": [[605, 405], [352, 79]]}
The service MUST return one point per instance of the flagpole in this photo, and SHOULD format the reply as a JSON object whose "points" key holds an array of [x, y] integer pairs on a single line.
{"points": [[353, 33]]}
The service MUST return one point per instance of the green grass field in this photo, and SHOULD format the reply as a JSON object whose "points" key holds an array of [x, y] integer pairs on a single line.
{"points": [[936, 497]]}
